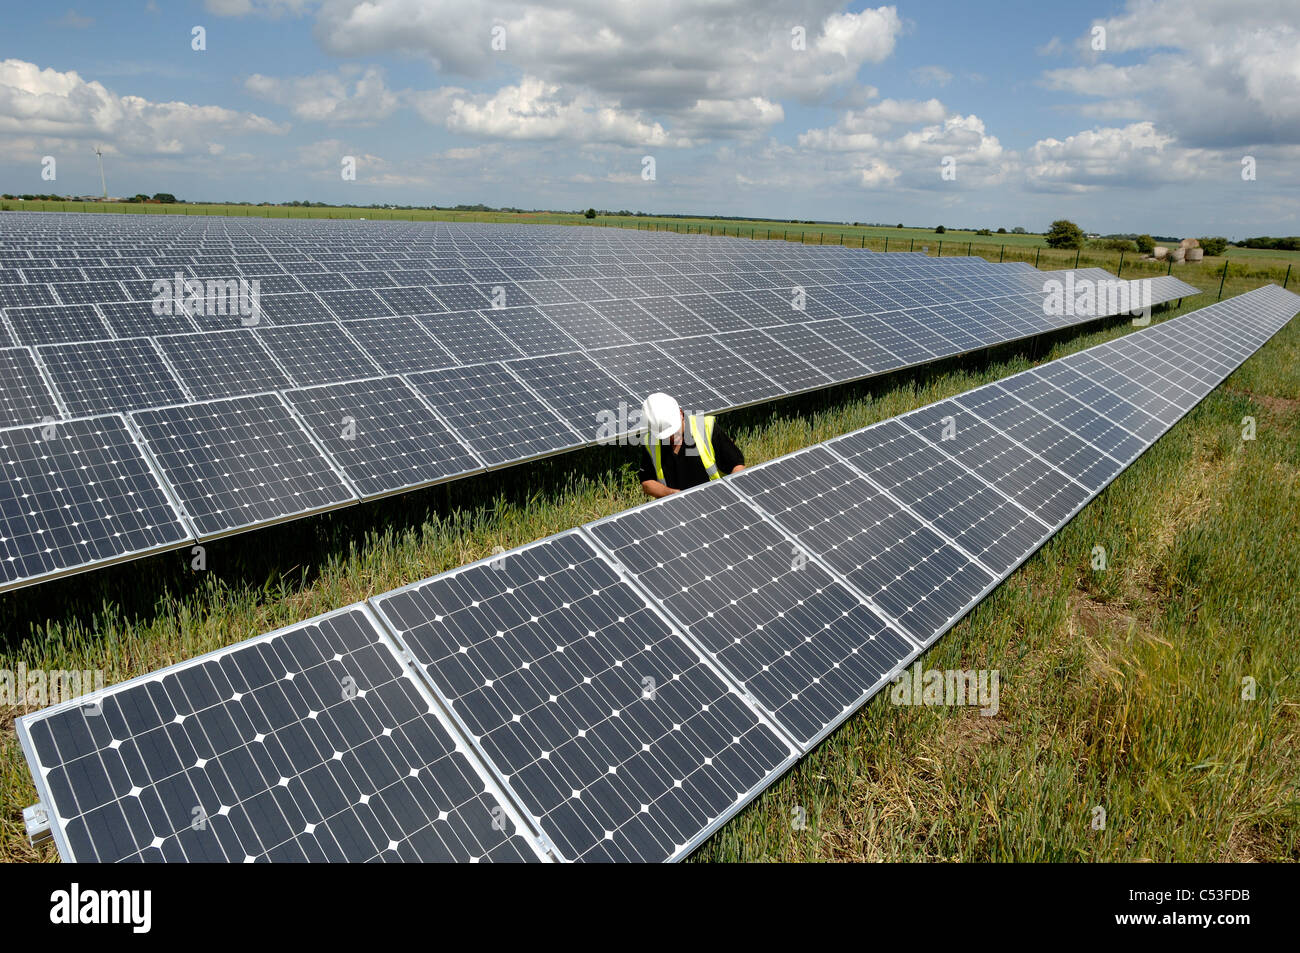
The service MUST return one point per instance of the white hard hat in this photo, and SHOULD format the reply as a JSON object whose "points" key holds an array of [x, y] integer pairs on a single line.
{"points": [[662, 416]]}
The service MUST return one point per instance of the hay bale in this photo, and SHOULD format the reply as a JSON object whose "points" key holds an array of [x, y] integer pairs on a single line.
{"points": [[1189, 243], [1178, 254], [1195, 254], [1160, 251]]}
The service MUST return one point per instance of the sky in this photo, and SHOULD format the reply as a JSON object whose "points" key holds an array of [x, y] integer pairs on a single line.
{"points": [[1171, 118]]}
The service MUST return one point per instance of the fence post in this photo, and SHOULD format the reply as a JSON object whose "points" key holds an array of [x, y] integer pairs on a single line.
{"points": [[911, 245], [1287, 278], [886, 243], [1001, 251], [1077, 252], [1222, 280], [939, 253], [968, 244], [1120, 271], [1170, 269], [1038, 252]]}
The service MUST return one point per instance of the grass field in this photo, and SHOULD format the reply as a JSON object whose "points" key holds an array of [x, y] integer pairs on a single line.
{"points": [[1119, 689]]}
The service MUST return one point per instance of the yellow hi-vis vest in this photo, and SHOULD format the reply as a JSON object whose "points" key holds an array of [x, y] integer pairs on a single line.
{"points": [[703, 444]]}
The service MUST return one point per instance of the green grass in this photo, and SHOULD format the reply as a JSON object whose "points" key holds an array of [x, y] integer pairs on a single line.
{"points": [[1119, 689]]}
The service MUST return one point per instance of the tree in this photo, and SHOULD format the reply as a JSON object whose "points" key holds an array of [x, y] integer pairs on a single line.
{"points": [[590, 213], [1018, 230], [1002, 231], [940, 230], [900, 224], [1117, 244], [165, 197], [1145, 243], [1064, 234], [983, 231], [1214, 246]]}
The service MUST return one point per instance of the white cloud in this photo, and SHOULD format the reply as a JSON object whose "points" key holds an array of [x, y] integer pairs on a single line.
{"points": [[350, 96], [1216, 73], [535, 109], [1131, 156], [47, 102]]}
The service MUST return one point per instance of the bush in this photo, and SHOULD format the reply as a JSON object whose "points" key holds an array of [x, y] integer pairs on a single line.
{"points": [[900, 225], [1116, 244], [940, 230], [1019, 230], [1002, 231], [590, 213], [1145, 244], [1214, 246], [1064, 234]]}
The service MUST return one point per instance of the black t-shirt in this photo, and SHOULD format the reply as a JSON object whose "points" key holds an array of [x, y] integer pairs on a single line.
{"points": [[683, 470]]}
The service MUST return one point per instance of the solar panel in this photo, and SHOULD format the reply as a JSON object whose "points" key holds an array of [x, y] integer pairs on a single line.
{"points": [[617, 737], [731, 376], [216, 364], [763, 353], [55, 324], [714, 312], [89, 292], [583, 324], [909, 572], [310, 743], [21, 296], [495, 413], [469, 337], [381, 435], [24, 396], [133, 319], [106, 376], [399, 344], [530, 331], [317, 353], [817, 351], [593, 403], [301, 308], [76, 493], [645, 370], [240, 462], [794, 638], [675, 316]]}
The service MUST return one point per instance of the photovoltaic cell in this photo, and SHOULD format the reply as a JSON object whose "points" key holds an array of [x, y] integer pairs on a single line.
{"points": [[399, 345], [56, 324], [908, 571], [494, 413], [381, 435], [311, 743], [105, 376], [804, 646], [74, 493], [24, 396], [583, 394], [216, 364], [132, 319], [317, 353], [583, 324], [622, 742], [645, 370], [240, 462], [759, 351], [469, 337], [733, 378], [531, 331]]}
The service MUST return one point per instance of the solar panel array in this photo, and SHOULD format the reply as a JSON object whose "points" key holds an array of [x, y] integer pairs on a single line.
{"points": [[618, 691], [477, 346]]}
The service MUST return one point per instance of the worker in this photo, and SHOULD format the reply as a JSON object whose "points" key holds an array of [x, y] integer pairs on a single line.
{"points": [[681, 452]]}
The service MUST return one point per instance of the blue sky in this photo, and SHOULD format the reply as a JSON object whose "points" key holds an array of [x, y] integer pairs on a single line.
{"points": [[857, 122]]}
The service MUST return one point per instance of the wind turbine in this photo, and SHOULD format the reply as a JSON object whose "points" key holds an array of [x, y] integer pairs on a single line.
{"points": [[103, 184]]}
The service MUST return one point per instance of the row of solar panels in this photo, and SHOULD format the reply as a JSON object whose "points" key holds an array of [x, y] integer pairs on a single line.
{"points": [[617, 692], [99, 487]]}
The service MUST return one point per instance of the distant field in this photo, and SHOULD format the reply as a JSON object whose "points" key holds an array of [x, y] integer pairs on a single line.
{"points": [[1263, 264]]}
